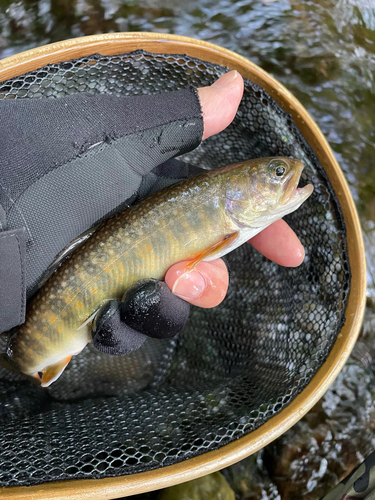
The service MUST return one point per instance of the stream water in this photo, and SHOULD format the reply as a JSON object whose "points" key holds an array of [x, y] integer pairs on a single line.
{"points": [[323, 51]]}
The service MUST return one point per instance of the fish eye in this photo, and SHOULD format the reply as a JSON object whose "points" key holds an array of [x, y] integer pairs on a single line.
{"points": [[280, 171], [278, 168]]}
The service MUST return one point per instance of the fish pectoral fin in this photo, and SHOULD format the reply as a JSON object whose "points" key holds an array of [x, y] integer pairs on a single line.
{"points": [[214, 249], [53, 372], [92, 316], [88, 320]]}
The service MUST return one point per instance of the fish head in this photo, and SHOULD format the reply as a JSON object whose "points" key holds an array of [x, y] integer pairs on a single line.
{"points": [[262, 191]]}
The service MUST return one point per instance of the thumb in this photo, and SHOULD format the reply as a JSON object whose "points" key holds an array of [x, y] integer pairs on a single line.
{"points": [[220, 102]]}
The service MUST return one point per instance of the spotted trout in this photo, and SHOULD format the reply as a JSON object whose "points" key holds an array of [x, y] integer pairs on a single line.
{"points": [[201, 218]]}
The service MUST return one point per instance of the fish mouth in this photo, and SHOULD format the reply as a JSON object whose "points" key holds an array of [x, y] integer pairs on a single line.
{"points": [[295, 194], [292, 193], [303, 192]]}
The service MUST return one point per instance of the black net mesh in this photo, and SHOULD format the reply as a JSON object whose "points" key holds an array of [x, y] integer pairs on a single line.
{"points": [[231, 368]]}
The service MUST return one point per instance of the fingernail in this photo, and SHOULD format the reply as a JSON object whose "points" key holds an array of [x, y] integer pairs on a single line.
{"points": [[301, 254], [189, 285], [225, 80]]}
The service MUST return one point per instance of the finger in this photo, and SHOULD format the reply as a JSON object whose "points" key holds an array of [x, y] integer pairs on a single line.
{"points": [[150, 307], [279, 243], [111, 335], [220, 102], [204, 286]]}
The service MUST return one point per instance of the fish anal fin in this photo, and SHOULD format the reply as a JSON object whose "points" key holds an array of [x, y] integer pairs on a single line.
{"points": [[214, 249], [53, 372]]}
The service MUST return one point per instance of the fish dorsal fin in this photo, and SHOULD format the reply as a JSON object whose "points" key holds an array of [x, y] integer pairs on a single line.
{"points": [[53, 372], [214, 249]]}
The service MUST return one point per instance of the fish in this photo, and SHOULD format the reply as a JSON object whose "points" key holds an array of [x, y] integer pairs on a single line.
{"points": [[201, 218]]}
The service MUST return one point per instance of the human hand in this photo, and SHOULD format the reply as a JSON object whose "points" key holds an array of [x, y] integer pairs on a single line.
{"points": [[82, 163]]}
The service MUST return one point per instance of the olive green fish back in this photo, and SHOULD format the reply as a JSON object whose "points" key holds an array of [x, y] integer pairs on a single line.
{"points": [[231, 368]]}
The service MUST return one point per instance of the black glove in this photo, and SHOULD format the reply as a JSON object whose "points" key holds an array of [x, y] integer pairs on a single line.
{"points": [[148, 309], [67, 164]]}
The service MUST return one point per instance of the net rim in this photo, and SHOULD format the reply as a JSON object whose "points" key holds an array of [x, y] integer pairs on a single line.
{"points": [[117, 43]]}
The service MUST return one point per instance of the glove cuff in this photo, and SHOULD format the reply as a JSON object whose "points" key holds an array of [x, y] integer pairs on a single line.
{"points": [[12, 278]]}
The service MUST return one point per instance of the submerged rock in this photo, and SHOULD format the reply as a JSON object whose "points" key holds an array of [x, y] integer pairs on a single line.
{"points": [[211, 487]]}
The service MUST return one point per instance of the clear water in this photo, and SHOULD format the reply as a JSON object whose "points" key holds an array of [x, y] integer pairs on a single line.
{"points": [[323, 51]]}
